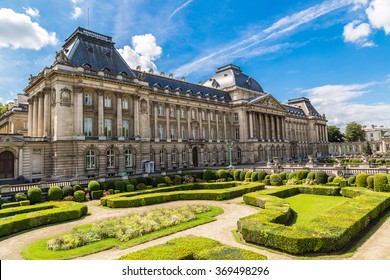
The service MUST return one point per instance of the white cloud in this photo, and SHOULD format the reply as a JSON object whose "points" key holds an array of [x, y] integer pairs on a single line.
{"points": [[356, 32], [32, 12], [379, 14], [18, 31], [181, 7], [359, 4], [77, 12], [144, 52]]}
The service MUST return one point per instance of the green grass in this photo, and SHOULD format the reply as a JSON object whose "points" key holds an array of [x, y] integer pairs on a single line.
{"points": [[38, 250], [309, 206]]}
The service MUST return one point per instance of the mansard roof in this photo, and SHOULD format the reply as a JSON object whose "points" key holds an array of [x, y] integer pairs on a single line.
{"points": [[96, 51], [306, 106]]}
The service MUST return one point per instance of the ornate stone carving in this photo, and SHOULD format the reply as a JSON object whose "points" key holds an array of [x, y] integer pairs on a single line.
{"points": [[53, 96], [65, 97], [62, 58], [144, 107]]}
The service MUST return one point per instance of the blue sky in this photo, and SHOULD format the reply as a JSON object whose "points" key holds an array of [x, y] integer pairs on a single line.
{"points": [[337, 53]]}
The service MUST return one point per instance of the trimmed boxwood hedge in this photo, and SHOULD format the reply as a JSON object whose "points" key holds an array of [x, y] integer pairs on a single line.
{"points": [[193, 248], [189, 194], [26, 217], [97, 194], [328, 232]]}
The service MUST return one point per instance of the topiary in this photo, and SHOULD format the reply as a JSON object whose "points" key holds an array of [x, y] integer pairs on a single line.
{"points": [[141, 186], [76, 188], [133, 181], [35, 195], [151, 181], [236, 175], [79, 196], [248, 175], [293, 175], [330, 179], [93, 186], [311, 176], [160, 180], [208, 175], [351, 180], [119, 186], [20, 196], [67, 191], [242, 175], [141, 180], [261, 175], [103, 186], [321, 178], [254, 177], [54, 193], [283, 175], [302, 174], [167, 180], [370, 182], [222, 174], [337, 179], [130, 187], [380, 181], [276, 180], [361, 180]]}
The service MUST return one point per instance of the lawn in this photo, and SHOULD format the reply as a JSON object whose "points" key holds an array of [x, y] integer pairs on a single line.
{"points": [[309, 206]]}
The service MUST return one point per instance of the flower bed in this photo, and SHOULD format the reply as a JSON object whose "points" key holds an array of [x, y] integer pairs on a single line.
{"points": [[328, 232]]}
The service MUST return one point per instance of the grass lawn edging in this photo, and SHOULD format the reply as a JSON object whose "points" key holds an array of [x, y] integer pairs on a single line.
{"points": [[328, 232], [26, 217]]}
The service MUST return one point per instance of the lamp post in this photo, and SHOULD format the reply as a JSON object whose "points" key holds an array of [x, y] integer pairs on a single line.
{"points": [[268, 148], [229, 146], [124, 160]]}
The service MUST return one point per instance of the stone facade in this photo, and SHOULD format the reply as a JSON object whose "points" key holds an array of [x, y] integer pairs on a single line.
{"points": [[91, 115]]}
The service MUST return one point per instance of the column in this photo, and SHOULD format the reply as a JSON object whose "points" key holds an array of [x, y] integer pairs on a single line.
{"points": [[156, 134], [178, 133], [278, 127], [326, 135], [261, 125], [136, 116], [224, 126], [273, 134], [119, 114], [267, 127], [167, 117], [217, 124], [200, 124], [40, 114], [78, 106], [100, 112], [208, 113], [30, 116], [189, 132], [283, 128], [35, 117], [250, 125]]}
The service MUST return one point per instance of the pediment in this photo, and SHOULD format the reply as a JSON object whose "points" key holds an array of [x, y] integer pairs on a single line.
{"points": [[267, 101], [11, 139]]}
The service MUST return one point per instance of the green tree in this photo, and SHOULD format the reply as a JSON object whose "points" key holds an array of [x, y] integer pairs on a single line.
{"points": [[334, 134], [367, 149], [3, 108], [354, 132]]}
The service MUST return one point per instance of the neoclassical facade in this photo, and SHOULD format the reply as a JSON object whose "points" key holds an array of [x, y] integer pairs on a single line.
{"points": [[91, 115]]}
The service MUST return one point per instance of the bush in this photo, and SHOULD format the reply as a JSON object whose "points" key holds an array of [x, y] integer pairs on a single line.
{"points": [[311, 176], [110, 191], [79, 196], [248, 175], [321, 178], [142, 180], [161, 185], [330, 179], [119, 186], [133, 181], [93, 186], [302, 174], [222, 174], [261, 175], [20, 196], [110, 184], [76, 188], [370, 182], [283, 175], [167, 181], [254, 177], [159, 180], [361, 180], [35, 195], [103, 186], [140, 186], [24, 202], [10, 205], [67, 191], [276, 180], [337, 179], [351, 180], [151, 181], [372, 160], [242, 175], [97, 194], [54, 193], [293, 175], [130, 187], [208, 175], [380, 181], [236, 175]]}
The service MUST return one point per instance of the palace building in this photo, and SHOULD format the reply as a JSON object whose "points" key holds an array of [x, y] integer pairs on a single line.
{"points": [[90, 115]]}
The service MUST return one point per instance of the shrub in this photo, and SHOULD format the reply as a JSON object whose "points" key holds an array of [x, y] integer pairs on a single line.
{"points": [[10, 205], [151, 181], [361, 180], [133, 181], [267, 182], [222, 174], [67, 191], [302, 174], [242, 175], [68, 198], [321, 178], [380, 181], [261, 175], [293, 175], [20, 196], [283, 175], [167, 180], [93, 186], [159, 180], [142, 180], [110, 184], [208, 175], [76, 188], [97, 194], [79, 196], [141, 186], [248, 175], [35, 195], [119, 186], [311, 176], [254, 177], [177, 180], [1, 200], [24, 202], [130, 187], [103, 186], [351, 180], [372, 160], [370, 182], [54, 193], [236, 175], [337, 179], [110, 191], [276, 180], [330, 179]]}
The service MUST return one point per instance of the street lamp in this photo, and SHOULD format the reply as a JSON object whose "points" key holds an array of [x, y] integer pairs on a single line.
{"points": [[124, 160], [268, 148], [230, 146]]}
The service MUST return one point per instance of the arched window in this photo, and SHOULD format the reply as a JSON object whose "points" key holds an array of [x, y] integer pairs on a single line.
{"points": [[215, 158], [90, 160], [160, 111], [152, 155], [162, 156], [129, 158], [174, 156], [110, 158], [87, 99], [238, 153], [107, 101], [184, 156], [125, 104], [172, 112]]}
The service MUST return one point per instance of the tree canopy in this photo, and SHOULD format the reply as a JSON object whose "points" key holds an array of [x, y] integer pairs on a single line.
{"points": [[354, 132], [3, 108], [334, 134]]}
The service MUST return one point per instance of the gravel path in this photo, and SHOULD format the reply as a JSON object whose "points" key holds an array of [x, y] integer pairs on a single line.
{"points": [[377, 247]]}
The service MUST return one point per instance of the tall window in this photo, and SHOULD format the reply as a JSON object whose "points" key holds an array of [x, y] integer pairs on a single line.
{"points": [[184, 156], [214, 156], [161, 131], [235, 117], [174, 156], [162, 156], [108, 127], [172, 112], [203, 115], [193, 114], [160, 111], [238, 153], [88, 126], [203, 132], [90, 160], [219, 117], [110, 158], [107, 101], [152, 155], [220, 134], [125, 128], [211, 116], [183, 133], [128, 158], [87, 99], [212, 133], [194, 134], [183, 113], [173, 134], [125, 104], [237, 134]]}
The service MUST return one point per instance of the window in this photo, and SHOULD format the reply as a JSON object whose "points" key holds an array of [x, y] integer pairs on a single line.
{"points": [[220, 134], [228, 135], [128, 158], [108, 127], [160, 111], [203, 115], [203, 132], [211, 116], [173, 134], [87, 99], [125, 104], [214, 156], [238, 153], [162, 156], [235, 117], [184, 156], [107, 101], [152, 155], [110, 159], [183, 133], [212, 134], [174, 156], [183, 113], [193, 114], [194, 133], [125, 128], [237, 134], [88, 126], [161, 131], [219, 118], [90, 160], [172, 112]]}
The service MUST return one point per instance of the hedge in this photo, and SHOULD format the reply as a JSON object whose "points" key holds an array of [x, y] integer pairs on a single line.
{"points": [[254, 177], [261, 175], [193, 248], [155, 198], [380, 181], [321, 177], [119, 185], [302, 174], [276, 180], [351, 180], [328, 232], [222, 174], [10, 205], [370, 182], [96, 194], [58, 212], [361, 180], [20, 196], [208, 175]]}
